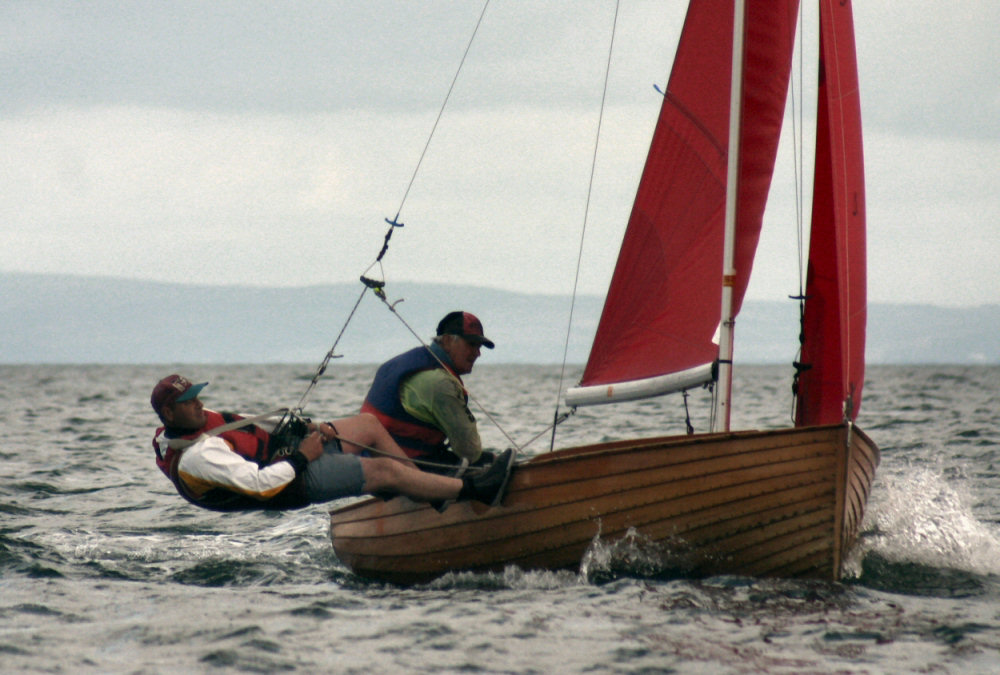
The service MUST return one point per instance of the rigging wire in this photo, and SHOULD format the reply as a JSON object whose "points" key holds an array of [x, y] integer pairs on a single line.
{"points": [[393, 224], [798, 122], [583, 230], [518, 448], [329, 355], [444, 104], [380, 293], [798, 161]]}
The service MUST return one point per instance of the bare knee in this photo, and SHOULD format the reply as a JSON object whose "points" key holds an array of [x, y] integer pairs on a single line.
{"points": [[381, 473], [368, 427], [368, 419]]}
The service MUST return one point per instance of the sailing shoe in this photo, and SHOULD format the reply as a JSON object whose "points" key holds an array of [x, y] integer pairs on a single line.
{"points": [[490, 486], [485, 461]]}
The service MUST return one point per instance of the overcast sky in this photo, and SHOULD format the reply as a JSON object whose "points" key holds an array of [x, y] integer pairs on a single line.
{"points": [[264, 142]]}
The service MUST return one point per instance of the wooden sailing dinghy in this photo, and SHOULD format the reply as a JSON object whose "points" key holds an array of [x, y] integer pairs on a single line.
{"points": [[778, 502]]}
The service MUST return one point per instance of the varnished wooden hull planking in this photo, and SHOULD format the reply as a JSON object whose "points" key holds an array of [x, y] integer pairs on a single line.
{"points": [[784, 503]]}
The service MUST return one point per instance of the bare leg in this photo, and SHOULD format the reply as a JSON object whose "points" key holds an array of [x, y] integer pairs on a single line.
{"points": [[388, 475], [364, 431]]}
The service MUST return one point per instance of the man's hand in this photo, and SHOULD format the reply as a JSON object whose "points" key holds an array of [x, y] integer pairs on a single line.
{"points": [[311, 446]]}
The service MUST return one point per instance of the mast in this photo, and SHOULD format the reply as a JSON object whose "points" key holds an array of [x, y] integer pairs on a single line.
{"points": [[720, 417]]}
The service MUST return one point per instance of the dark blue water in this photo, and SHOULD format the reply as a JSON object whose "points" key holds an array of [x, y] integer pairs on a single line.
{"points": [[104, 569]]}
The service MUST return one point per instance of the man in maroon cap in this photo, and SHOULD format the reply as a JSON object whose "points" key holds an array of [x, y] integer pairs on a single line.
{"points": [[224, 462], [420, 398]]}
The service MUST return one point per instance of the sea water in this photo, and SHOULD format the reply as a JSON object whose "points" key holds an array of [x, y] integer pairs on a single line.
{"points": [[104, 569]]}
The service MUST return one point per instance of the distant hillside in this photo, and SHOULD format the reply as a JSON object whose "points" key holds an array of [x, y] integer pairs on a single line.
{"points": [[66, 319]]}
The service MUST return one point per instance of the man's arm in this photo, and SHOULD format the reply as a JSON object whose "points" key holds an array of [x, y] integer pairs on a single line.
{"points": [[210, 463], [436, 397]]}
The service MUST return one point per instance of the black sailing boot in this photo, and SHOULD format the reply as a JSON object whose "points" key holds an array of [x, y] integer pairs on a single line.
{"points": [[490, 486]]}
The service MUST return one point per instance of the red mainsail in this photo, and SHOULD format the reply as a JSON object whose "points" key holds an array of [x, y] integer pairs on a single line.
{"points": [[663, 306], [836, 307]]}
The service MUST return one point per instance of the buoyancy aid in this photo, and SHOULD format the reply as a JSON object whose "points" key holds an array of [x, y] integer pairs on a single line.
{"points": [[251, 442], [417, 438]]}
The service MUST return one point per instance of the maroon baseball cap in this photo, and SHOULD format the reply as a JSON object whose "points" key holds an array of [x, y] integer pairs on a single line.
{"points": [[465, 325], [172, 389]]}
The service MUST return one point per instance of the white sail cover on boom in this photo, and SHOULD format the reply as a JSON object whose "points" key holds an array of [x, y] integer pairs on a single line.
{"points": [[645, 388]]}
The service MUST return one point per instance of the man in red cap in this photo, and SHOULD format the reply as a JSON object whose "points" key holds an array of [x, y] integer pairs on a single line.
{"points": [[420, 398], [221, 461]]}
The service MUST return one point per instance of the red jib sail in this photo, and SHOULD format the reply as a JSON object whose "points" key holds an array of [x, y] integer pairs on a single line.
{"points": [[833, 347], [663, 306]]}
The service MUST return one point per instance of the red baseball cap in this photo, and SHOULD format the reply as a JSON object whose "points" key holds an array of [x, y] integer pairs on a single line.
{"points": [[465, 325], [172, 389]]}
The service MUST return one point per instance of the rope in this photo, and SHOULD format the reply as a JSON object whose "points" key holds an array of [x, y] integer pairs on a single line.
{"points": [[459, 468], [557, 419], [583, 230], [392, 308]]}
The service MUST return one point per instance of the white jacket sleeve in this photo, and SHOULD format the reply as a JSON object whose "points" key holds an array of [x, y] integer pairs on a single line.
{"points": [[210, 463]]}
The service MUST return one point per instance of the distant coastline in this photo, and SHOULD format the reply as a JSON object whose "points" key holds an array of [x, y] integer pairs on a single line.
{"points": [[68, 319]]}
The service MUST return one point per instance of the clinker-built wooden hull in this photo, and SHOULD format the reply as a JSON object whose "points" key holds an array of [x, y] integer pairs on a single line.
{"points": [[780, 503]]}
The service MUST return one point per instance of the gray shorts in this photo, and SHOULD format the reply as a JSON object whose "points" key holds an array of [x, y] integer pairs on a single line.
{"points": [[333, 475]]}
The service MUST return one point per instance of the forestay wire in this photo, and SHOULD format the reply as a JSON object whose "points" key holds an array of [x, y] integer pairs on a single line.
{"points": [[444, 104], [377, 285]]}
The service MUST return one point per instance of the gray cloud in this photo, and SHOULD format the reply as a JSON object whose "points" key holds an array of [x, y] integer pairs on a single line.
{"points": [[196, 127]]}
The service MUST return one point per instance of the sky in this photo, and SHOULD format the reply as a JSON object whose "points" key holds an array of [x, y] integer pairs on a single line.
{"points": [[265, 143]]}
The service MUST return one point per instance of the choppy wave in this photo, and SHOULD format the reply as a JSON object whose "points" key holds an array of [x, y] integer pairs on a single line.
{"points": [[105, 569]]}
